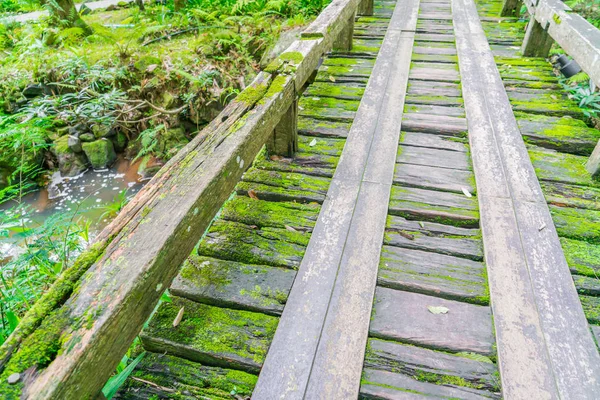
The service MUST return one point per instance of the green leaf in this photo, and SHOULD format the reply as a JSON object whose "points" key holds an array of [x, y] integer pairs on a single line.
{"points": [[475, 357], [13, 320], [115, 382]]}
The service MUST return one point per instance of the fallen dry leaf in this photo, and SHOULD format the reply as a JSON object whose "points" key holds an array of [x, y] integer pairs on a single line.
{"points": [[252, 194], [289, 228], [178, 318], [466, 192], [437, 309]]}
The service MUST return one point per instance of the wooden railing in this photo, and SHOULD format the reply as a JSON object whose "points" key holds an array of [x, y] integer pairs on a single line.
{"points": [[553, 21], [72, 339]]}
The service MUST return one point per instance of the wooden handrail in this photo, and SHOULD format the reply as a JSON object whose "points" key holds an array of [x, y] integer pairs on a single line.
{"points": [[554, 19], [71, 340]]}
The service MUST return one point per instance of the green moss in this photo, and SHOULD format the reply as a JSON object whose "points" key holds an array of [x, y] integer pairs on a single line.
{"points": [[252, 94], [576, 223], [583, 258], [214, 331], [591, 308], [267, 246], [274, 214], [292, 56], [277, 86], [311, 35]]}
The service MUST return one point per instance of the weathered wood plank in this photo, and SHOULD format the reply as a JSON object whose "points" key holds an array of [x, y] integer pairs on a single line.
{"points": [[384, 385], [430, 141], [586, 285], [433, 157], [434, 206], [434, 237], [433, 274], [317, 127], [264, 246], [554, 166], [575, 223], [434, 89], [435, 110], [449, 180], [582, 257], [406, 317], [233, 285], [213, 336], [432, 366], [429, 123], [566, 195], [164, 376]]}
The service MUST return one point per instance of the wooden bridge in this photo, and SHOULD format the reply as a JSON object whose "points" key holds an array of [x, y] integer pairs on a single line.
{"points": [[421, 224]]}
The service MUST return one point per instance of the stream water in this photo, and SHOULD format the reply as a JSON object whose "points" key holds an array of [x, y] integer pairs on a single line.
{"points": [[88, 194]]}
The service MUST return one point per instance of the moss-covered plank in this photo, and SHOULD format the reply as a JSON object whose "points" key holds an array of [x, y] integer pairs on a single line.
{"points": [[587, 285], [427, 48], [551, 165], [260, 213], [346, 70], [591, 308], [310, 164], [532, 84], [433, 274], [434, 37], [434, 237], [576, 223], [213, 336], [576, 140], [288, 180], [327, 108], [338, 91], [566, 195], [248, 244], [350, 61], [462, 370], [440, 58], [317, 127], [434, 206], [330, 146], [583, 258], [161, 376], [278, 193], [233, 285]]}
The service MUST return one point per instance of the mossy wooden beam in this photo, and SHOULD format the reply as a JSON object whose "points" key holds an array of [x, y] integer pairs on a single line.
{"points": [[537, 42], [365, 8], [578, 38]]}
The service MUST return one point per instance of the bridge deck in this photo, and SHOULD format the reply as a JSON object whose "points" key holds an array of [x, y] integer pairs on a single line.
{"points": [[360, 268]]}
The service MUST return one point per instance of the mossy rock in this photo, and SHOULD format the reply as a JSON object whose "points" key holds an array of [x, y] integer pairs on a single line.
{"points": [[100, 153], [119, 141], [171, 141], [69, 162]]}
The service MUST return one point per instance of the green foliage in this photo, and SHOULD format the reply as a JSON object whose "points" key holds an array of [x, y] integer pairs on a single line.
{"points": [[125, 368], [589, 9], [587, 98]]}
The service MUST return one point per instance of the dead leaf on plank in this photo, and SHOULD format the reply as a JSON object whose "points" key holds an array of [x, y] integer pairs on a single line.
{"points": [[466, 192], [252, 194], [331, 78], [276, 158], [313, 143], [438, 310], [178, 318]]}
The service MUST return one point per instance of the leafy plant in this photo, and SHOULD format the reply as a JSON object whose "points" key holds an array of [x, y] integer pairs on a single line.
{"points": [[586, 97]]}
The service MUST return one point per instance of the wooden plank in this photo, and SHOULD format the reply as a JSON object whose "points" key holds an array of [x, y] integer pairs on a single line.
{"points": [[161, 376], [436, 238], [429, 123], [233, 285], [433, 274], [435, 206], [435, 110], [432, 366], [434, 88], [426, 177], [433, 157], [429, 141], [464, 328], [520, 241], [210, 335]]}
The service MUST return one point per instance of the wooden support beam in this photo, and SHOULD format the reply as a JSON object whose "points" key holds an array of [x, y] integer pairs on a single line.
{"points": [[344, 40], [593, 164], [537, 41], [284, 141], [511, 8], [365, 8]]}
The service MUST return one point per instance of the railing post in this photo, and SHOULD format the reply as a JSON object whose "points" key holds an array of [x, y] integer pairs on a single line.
{"points": [[284, 141], [593, 163], [365, 8], [537, 41], [511, 8], [344, 40]]}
